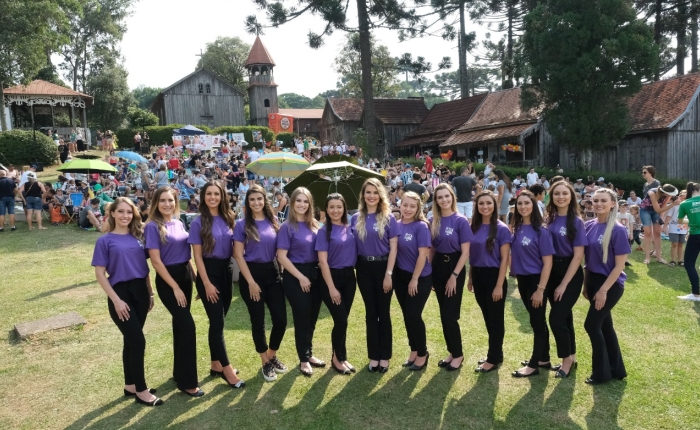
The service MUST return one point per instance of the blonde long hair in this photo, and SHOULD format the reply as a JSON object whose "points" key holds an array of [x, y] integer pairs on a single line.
{"points": [[437, 210], [383, 210], [135, 226], [610, 222], [309, 219], [419, 216], [156, 217]]}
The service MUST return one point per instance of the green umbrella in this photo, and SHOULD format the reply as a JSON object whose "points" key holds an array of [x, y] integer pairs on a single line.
{"points": [[87, 166], [339, 177], [335, 159]]}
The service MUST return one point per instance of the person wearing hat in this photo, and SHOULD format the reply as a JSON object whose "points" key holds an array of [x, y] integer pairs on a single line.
{"points": [[407, 175], [32, 192], [25, 175], [656, 201], [601, 181]]}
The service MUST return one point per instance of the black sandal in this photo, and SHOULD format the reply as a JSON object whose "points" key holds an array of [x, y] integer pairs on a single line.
{"points": [[156, 402]]}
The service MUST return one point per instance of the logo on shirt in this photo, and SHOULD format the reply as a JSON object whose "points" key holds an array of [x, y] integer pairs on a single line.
{"points": [[600, 239], [526, 241], [375, 227], [141, 244], [449, 231], [408, 237], [562, 231]]}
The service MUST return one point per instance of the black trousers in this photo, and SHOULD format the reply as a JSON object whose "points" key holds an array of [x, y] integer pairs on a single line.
{"points": [[184, 330], [219, 273], [267, 276], [370, 281], [345, 282], [484, 280], [305, 307], [135, 294], [607, 358], [412, 308], [561, 318], [527, 286], [450, 307]]}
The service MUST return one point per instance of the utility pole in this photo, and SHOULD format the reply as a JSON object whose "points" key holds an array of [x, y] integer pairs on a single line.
{"points": [[201, 57]]}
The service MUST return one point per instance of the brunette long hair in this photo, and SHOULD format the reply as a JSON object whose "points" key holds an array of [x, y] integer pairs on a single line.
{"points": [[535, 216], [251, 229], [572, 211], [343, 219], [135, 226], [477, 218], [156, 217], [207, 219]]}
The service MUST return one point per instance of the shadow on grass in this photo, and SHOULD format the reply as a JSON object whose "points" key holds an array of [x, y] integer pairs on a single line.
{"points": [[59, 290], [476, 409], [529, 408], [13, 338], [559, 402], [606, 405]]}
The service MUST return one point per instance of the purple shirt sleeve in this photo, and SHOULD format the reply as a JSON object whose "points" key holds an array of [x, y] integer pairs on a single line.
{"points": [[545, 243], [393, 227], [580, 239], [465, 231], [283, 237], [503, 235], [238, 232], [152, 236], [100, 256], [195, 232], [423, 232], [321, 240], [619, 242]]}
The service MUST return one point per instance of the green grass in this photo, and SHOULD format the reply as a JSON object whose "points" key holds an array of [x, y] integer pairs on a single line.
{"points": [[73, 378]]}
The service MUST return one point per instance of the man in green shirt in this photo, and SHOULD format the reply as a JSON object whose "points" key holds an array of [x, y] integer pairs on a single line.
{"points": [[691, 208]]}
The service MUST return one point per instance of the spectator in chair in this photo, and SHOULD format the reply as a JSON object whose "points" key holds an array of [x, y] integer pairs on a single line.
{"points": [[90, 216]]}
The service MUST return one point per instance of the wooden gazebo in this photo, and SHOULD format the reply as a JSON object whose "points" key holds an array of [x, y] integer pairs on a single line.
{"points": [[32, 105]]}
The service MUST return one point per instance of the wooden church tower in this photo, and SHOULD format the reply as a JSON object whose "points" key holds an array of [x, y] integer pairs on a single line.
{"points": [[262, 89]]}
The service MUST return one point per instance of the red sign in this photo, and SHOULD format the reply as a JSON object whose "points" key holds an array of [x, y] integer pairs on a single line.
{"points": [[281, 123]]}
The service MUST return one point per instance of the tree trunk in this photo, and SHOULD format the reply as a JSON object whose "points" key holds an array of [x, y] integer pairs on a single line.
{"points": [[463, 79], [367, 90], [3, 120], [681, 39], [694, 36], [508, 64], [657, 33]]}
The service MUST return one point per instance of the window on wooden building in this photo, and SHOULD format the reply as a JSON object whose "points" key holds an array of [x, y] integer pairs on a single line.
{"points": [[208, 88], [201, 88], [267, 102]]}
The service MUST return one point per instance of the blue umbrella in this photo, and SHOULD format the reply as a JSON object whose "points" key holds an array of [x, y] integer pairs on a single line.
{"points": [[188, 130], [131, 156]]}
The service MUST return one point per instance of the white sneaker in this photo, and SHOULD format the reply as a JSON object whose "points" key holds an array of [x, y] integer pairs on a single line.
{"points": [[690, 298]]}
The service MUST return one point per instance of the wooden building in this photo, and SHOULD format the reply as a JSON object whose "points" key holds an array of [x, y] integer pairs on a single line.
{"points": [[438, 126], [306, 121], [200, 98], [262, 90], [340, 119], [499, 121], [395, 118], [665, 133]]}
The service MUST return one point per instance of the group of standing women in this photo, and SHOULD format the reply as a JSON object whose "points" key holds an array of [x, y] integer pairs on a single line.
{"points": [[378, 253]]}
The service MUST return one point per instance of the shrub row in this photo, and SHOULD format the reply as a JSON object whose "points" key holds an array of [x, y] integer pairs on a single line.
{"points": [[20, 148]]}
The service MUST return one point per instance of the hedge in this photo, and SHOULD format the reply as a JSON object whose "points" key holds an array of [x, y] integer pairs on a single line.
{"points": [[157, 133], [287, 139], [20, 148], [625, 181]]}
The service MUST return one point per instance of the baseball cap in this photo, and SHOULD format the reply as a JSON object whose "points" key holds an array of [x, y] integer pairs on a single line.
{"points": [[31, 175], [601, 179], [579, 180], [407, 166]]}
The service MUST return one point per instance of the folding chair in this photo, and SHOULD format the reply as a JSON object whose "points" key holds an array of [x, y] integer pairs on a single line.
{"points": [[73, 210]]}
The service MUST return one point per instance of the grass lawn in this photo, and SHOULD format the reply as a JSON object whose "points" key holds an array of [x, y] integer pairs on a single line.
{"points": [[73, 378]]}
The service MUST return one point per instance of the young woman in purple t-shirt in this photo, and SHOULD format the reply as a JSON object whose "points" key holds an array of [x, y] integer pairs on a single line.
{"points": [[566, 280], [376, 236], [413, 277], [295, 251], [606, 254], [488, 264], [255, 248], [166, 242], [337, 255], [451, 237], [531, 263], [121, 254], [211, 236]]}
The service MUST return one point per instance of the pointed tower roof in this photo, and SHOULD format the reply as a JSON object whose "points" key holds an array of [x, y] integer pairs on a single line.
{"points": [[259, 56]]}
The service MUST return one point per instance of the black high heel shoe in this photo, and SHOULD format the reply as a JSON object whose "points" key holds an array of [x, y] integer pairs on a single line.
{"points": [[129, 393], [198, 393], [557, 367], [217, 373], [156, 402], [343, 371], [239, 384], [547, 365], [415, 367]]}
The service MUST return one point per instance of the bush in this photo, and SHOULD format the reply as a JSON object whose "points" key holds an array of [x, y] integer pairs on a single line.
{"points": [[287, 139], [20, 148], [247, 130]]}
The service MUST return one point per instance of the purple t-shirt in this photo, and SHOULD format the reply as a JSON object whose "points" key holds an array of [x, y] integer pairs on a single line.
{"points": [[479, 255], [454, 231], [175, 250], [123, 255], [342, 251], [411, 237], [264, 251], [220, 231], [562, 246], [528, 248], [299, 241], [373, 245], [619, 245]]}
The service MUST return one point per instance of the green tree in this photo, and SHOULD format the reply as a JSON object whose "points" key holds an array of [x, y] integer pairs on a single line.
{"points": [[226, 58], [586, 58], [297, 101], [141, 117], [144, 96], [112, 98], [349, 67], [29, 32], [421, 88]]}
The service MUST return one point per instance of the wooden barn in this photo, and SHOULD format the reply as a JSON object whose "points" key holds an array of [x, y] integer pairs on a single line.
{"points": [[665, 132], [340, 119], [306, 121], [200, 98], [395, 118], [438, 126], [499, 121]]}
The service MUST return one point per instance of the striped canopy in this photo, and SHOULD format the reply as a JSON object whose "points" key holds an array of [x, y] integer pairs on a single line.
{"points": [[279, 164]]}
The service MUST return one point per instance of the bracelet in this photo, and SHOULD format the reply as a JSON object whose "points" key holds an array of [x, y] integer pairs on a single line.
{"points": [[455, 274], [540, 288]]}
